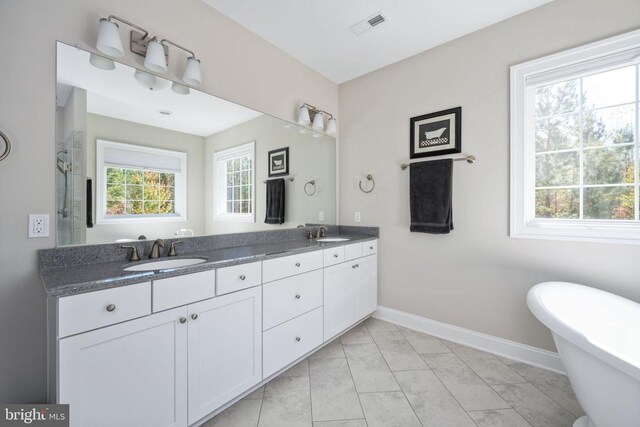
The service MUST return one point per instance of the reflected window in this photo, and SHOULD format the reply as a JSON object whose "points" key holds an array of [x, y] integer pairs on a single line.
{"points": [[234, 179], [574, 170], [139, 183]]}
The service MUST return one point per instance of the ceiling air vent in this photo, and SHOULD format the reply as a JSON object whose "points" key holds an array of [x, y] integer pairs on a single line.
{"points": [[368, 23]]}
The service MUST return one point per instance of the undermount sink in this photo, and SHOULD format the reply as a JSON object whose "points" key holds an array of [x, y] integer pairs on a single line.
{"points": [[166, 264], [332, 239]]}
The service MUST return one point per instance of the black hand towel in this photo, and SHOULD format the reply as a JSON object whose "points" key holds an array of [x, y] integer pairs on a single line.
{"points": [[430, 195], [275, 201]]}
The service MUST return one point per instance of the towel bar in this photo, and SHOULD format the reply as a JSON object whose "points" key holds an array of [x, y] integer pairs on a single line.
{"points": [[470, 159], [286, 179]]}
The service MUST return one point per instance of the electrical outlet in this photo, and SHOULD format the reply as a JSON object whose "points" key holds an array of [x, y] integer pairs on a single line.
{"points": [[356, 217], [38, 226], [321, 216]]}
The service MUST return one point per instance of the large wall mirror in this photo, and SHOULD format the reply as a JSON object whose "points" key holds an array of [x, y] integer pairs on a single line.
{"points": [[139, 156]]}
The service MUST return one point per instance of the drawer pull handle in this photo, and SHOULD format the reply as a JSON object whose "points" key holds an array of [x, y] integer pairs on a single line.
{"points": [[355, 266], [297, 296], [111, 307], [371, 247], [242, 277], [297, 264], [335, 255], [194, 316], [183, 320], [297, 339]]}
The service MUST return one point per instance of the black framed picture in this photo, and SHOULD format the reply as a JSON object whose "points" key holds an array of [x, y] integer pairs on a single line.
{"points": [[279, 162], [436, 133]]}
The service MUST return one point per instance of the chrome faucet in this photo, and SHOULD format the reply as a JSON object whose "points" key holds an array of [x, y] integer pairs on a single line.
{"points": [[321, 231], [155, 249]]}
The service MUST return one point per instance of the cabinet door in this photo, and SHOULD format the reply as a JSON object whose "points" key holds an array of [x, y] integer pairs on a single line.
{"points": [[339, 298], [133, 374], [366, 286], [225, 349]]}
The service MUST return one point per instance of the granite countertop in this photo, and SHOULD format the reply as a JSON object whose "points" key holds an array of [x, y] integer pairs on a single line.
{"points": [[75, 279]]}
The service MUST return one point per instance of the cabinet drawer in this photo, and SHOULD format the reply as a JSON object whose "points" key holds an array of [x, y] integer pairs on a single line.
{"points": [[79, 313], [369, 248], [181, 290], [237, 277], [287, 298], [280, 268], [333, 256], [289, 341], [352, 251]]}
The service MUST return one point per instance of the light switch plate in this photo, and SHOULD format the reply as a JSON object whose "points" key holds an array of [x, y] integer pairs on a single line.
{"points": [[321, 216], [356, 217], [38, 226]]}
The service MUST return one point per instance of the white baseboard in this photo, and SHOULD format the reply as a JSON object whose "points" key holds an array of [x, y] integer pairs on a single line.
{"points": [[500, 346]]}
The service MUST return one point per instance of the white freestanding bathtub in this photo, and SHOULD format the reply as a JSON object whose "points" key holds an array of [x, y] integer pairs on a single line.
{"points": [[598, 337]]}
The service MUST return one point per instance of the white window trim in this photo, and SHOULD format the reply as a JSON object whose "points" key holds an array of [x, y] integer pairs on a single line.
{"points": [[613, 52], [219, 183], [101, 185]]}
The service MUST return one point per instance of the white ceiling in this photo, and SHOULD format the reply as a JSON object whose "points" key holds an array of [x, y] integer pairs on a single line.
{"points": [[119, 95], [317, 32]]}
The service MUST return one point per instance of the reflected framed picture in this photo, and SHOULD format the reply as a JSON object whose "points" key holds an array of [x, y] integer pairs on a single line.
{"points": [[279, 162], [436, 133]]}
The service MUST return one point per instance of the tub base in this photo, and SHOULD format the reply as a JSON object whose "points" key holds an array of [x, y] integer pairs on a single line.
{"points": [[584, 421]]}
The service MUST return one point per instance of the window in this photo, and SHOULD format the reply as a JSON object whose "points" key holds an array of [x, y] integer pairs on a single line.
{"points": [[574, 145], [234, 181], [135, 183]]}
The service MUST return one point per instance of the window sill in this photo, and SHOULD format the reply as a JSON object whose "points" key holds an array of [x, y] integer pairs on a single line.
{"points": [[597, 231], [132, 220], [235, 218]]}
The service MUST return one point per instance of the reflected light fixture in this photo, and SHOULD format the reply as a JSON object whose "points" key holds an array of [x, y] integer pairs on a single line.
{"points": [[308, 114], [317, 135], [155, 51], [180, 89], [102, 62]]}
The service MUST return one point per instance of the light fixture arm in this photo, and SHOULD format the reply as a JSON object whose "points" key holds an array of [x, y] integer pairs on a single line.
{"points": [[167, 41], [315, 110], [112, 18]]}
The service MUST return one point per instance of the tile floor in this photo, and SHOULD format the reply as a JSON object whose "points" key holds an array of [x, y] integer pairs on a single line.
{"points": [[381, 374]]}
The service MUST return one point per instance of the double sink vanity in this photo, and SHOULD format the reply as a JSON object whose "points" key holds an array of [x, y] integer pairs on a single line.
{"points": [[174, 343]]}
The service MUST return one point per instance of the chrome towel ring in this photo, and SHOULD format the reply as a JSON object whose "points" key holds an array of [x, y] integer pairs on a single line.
{"points": [[7, 148], [311, 192], [369, 178]]}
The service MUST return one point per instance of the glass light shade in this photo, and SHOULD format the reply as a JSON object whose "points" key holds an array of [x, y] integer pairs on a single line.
{"points": [[180, 89], [109, 41], [318, 121], [303, 116], [155, 60], [331, 126], [102, 62], [192, 74]]}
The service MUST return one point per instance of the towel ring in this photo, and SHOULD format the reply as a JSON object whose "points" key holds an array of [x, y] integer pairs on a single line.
{"points": [[7, 148], [369, 178], [313, 184]]}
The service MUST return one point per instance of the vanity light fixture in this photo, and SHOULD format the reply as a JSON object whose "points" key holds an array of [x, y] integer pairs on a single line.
{"points": [[180, 89], [308, 114], [155, 51]]}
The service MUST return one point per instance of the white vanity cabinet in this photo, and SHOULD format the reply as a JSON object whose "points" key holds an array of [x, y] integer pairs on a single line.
{"points": [[133, 374], [225, 349], [350, 290]]}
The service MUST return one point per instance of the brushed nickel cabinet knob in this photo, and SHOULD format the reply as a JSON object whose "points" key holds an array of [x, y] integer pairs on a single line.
{"points": [[194, 316], [183, 320], [297, 296], [335, 255], [242, 277], [111, 307], [297, 264], [298, 339]]}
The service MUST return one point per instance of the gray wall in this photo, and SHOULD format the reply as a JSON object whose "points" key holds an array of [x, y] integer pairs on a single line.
{"points": [[309, 159], [110, 129], [29, 31], [477, 277]]}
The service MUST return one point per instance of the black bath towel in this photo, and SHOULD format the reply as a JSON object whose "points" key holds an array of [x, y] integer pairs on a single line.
{"points": [[275, 201], [430, 195]]}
